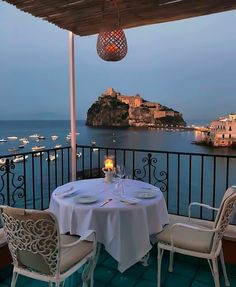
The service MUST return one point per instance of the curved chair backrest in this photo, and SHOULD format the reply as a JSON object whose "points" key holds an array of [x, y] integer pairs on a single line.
{"points": [[230, 191], [33, 239], [224, 214]]}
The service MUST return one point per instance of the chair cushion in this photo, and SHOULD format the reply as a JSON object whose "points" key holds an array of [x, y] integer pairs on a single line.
{"points": [[72, 255], [184, 238]]}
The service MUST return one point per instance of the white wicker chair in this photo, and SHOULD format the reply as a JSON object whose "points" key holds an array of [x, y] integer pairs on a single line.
{"points": [[40, 252], [198, 241]]}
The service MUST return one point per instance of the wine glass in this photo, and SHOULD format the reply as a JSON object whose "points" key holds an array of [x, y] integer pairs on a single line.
{"points": [[120, 172]]}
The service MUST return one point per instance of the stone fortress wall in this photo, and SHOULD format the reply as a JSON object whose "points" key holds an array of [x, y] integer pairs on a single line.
{"points": [[136, 101]]}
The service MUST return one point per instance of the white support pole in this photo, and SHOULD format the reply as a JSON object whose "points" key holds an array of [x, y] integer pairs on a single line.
{"points": [[72, 106]]}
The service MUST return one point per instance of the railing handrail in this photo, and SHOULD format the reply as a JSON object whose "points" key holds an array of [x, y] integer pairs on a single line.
{"points": [[158, 151], [34, 152], [123, 149]]}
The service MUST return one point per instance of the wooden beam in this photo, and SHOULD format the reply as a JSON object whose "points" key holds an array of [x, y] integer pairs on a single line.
{"points": [[87, 17]]}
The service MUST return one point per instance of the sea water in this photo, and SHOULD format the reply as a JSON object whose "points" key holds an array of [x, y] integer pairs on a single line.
{"points": [[134, 138]]}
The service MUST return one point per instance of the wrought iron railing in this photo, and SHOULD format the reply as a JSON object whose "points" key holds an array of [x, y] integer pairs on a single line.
{"points": [[28, 181]]}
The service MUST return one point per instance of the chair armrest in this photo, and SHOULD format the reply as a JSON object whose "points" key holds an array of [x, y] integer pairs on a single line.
{"points": [[198, 228], [199, 204], [84, 237]]}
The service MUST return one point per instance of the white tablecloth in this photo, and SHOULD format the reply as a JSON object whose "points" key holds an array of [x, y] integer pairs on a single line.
{"points": [[124, 229]]}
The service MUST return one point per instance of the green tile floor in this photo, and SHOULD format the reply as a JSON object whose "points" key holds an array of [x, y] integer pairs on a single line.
{"points": [[188, 272]]}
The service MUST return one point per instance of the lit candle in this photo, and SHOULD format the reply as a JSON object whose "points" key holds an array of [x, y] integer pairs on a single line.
{"points": [[108, 164]]}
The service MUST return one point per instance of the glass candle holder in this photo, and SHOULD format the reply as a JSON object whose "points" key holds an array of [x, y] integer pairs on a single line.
{"points": [[108, 175]]}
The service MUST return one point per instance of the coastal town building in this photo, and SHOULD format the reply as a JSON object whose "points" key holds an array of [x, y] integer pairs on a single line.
{"points": [[222, 131]]}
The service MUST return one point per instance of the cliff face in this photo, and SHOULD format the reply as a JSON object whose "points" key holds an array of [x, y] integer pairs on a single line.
{"points": [[140, 115], [113, 109], [108, 111], [171, 121]]}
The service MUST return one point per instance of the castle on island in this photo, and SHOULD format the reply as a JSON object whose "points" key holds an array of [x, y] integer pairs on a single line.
{"points": [[117, 110], [136, 102]]}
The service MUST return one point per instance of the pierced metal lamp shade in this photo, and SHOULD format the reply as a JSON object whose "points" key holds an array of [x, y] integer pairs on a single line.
{"points": [[112, 46]]}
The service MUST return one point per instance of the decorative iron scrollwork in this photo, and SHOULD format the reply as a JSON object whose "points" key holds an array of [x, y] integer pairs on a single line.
{"points": [[11, 188], [149, 170]]}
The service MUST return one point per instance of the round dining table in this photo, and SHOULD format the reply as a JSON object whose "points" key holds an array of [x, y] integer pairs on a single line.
{"points": [[124, 214]]}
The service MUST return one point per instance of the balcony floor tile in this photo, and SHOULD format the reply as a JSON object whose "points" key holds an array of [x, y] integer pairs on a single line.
{"points": [[186, 273], [201, 284]]}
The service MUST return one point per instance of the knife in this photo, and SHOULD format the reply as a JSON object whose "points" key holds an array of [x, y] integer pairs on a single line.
{"points": [[105, 202]]}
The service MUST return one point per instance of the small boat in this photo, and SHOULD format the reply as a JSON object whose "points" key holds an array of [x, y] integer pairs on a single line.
{"points": [[20, 158], [2, 161], [79, 154], [3, 140], [21, 146], [93, 145], [52, 157], [54, 137], [37, 154], [41, 137], [34, 136], [58, 146], [25, 141], [37, 148], [12, 138]]}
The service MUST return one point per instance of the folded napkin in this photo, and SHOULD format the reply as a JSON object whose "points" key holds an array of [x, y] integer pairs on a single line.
{"points": [[64, 192], [129, 200]]}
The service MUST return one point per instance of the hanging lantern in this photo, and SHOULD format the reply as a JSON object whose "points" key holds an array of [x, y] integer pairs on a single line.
{"points": [[112, 46]]}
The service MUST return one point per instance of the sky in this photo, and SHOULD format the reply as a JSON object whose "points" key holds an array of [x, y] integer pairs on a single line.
{"points": [[188, 65]]}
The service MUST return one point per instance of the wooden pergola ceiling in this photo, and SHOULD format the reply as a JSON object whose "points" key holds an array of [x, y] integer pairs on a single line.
{"points": [[87, 17]]}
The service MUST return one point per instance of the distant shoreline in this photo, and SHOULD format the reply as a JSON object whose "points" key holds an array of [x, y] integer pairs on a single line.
{"points": [[197, 123], [169, 129]]}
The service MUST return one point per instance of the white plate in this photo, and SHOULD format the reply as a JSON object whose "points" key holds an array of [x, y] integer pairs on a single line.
{"points": [[146, 194], [129, 200], [86, 199]]}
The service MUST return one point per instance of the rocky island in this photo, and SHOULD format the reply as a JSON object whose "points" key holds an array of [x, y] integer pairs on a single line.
{"points": [[115, 110]]}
